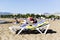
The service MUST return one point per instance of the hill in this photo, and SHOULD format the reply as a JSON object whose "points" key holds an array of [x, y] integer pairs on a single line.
{"points": [[5, 13]]}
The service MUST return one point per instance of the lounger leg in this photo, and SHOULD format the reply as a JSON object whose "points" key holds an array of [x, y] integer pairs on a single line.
{"points": [[46, 29], [38, 30], [13, 30], [20, 31]]}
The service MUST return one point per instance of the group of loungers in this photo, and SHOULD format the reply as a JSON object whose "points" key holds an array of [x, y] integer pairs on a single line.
{"points": [[41, 25]]}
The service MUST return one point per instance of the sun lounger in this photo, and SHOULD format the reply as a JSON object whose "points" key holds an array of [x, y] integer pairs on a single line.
{"points": [[37, 26]]}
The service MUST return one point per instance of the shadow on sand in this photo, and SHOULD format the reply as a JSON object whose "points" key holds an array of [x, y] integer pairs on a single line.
{"points": [[50, 31], [5, 22]]}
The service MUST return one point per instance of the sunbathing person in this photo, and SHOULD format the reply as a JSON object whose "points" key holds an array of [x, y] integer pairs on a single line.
{"points": [[31, 20]]}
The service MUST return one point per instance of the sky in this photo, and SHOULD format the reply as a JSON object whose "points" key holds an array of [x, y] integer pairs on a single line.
{"points": [[30, 6]]}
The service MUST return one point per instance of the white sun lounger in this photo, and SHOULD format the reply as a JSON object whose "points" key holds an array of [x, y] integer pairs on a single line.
{"points": [[35, 27], [42, 25]]}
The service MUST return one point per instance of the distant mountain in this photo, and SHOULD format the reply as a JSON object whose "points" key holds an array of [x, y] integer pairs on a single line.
{"points": [[5, 13], [56, 14], [47, 14]]}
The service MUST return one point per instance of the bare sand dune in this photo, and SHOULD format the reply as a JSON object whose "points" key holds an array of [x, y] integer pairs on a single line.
{"points": [[54, 33]]}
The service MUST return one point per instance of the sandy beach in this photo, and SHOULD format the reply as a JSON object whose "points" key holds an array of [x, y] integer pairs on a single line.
{"points": [[52, 34]]}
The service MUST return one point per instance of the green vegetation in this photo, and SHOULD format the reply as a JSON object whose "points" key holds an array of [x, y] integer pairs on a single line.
{"points": [[27, 15]]}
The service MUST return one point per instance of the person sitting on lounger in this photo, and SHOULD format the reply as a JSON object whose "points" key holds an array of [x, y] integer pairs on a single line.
{"points": [[32, 20], [16, 21]]}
